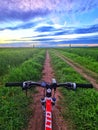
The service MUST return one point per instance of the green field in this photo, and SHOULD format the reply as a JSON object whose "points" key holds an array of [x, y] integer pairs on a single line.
{"points": [[14, 105], [80, 107], [14, 57], [87, 57]]}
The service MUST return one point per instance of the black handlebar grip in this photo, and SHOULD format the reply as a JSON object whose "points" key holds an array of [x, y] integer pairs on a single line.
{"points": [[14, 84], [84, 85]]}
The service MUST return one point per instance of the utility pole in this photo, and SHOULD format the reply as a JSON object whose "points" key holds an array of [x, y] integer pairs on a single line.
{"points": [[70, 45]]}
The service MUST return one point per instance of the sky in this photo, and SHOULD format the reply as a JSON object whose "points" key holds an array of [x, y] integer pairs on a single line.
{"points": [[48, 23]]}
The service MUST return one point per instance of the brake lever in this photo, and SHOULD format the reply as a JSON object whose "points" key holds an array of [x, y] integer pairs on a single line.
{"points": [[71, 86], [26, 85]]}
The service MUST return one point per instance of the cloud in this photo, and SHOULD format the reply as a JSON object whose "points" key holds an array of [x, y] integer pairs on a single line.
{"points": [[80, 30], [22, 16], [20, 10], [21, 26], [43, 39], [65, 30], [24, 10], [45, 29], [66, 35], [53, 31], [89, 29], [32, 32]]}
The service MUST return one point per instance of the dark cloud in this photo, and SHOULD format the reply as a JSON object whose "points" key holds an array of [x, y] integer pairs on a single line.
{"points": [[61, 32], [22, 10], [89, 40], [45, 29], [72, 30], [22, 16], [90, 29], [27, 9], [43, 39], [64, 31], [86, 40], [21, 26], [43, 35], [27, 25]]}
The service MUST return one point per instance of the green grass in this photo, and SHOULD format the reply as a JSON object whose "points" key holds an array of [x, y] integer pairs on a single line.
{"points": [[87, 57], [81, 107], [91, 52], [13, 57], [14, 105], [14, 110]]}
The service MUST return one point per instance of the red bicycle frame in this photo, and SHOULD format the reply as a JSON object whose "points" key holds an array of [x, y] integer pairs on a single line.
{"points": [[48, 114]]}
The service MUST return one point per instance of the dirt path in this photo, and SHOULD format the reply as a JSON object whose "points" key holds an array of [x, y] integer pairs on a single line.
{"points": [[37, 122], [87, 74]]}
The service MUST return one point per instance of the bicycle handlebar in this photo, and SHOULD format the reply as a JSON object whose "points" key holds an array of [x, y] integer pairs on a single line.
{"points": [[11, 84], [28, 84], [84, 85]]}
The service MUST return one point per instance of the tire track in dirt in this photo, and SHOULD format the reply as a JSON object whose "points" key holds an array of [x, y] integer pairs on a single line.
{"points": [[37, 120], [80, 69]]}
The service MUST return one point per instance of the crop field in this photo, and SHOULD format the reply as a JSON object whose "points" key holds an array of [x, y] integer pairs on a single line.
{"points": [[79, 108], [13, 57], [87, 57], [25, 64]]}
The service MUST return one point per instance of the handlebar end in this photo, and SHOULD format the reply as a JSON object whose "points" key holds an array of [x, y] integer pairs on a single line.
{"points": [[84, 85]]}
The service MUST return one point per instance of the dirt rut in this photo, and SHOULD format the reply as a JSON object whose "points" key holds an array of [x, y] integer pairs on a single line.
{"points": [[37, 120], [81, 70]]}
